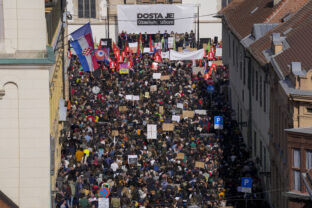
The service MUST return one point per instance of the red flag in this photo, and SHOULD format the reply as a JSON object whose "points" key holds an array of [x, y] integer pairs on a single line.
{"points": [[112, 65], [151, 44], [99, 46], [213, 67], [117, 54], [210, 55], [120, 58], [129, 63], [114, 47], [117, 67]]}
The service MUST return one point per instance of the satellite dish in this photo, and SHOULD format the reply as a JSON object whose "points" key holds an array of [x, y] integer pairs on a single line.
{"points": [[95, 90]]}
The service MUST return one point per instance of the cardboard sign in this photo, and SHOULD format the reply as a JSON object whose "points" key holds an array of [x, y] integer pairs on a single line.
{"points": [[218, 63], [167, 127], [136, 97], [151, 131], [161, 109], [156, 75], [165, 77], [219, 52], [196, 70], [132, 159], [199, 164], [180, 156], [188, 114], [123, 71], [147, 95], [153, 88], [201, 112], [123, 108], [115, 133], [115, 202], [134, 49], [176, 118], [180, 105]]}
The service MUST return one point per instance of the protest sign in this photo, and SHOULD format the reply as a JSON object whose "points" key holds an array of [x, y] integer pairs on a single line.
{"points": [[103, 203], [165, 55], [167, 127], [180, 105], [188, 114], [129, 97], [180, 156], [153, 88], [147, 95], [155, 66], [165, 77], [170, 42], [115, 133], [156, 75], [123, 108], [136, 97], [115, 202], [201, 112], [123, 71], [151, 131], [219, 52], [196, 70], [132, 159], [146, 50], [176, 118], [199, 164], [161, 109]]}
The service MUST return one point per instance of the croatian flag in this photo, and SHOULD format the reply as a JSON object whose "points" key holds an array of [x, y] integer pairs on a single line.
{"points": [[84, 47]]}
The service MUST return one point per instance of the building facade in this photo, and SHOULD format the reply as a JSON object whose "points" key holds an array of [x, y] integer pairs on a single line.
{"points": [[248, 47], [31, 85], [102, 15]]}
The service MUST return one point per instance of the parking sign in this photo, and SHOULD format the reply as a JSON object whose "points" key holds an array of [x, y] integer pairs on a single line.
{"points": [[246, 184], [218, 122]]}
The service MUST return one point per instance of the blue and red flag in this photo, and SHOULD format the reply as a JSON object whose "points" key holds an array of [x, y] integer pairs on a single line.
{"points": [[84, 47]]}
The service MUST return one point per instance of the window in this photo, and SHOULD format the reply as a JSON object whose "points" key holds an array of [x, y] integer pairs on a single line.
{"points": [[86, 9], [240, 70], [296, 170], [255, 143], [260, 91], [264, 159], [256, 86], [260, 152], [252, 81], [308, 159], [264, 97], [244, 73]]}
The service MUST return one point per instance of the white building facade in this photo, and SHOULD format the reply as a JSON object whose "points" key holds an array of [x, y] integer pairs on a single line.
{"points": [[98, 11], [24, 103]]}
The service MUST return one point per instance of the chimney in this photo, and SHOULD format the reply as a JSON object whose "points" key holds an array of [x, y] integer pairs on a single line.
{"points": [[277, 43], [275, 2]]}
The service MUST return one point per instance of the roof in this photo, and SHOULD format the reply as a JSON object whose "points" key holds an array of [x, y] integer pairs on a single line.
{"points": [[284, 28], [241, 15], [299, 40], [306, 130]]}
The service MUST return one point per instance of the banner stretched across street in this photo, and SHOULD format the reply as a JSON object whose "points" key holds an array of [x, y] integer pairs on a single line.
{"points": [[155, 17], [194, 55]]}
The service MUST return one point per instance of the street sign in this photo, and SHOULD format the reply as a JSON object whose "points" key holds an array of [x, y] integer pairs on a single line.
{"points": [[104, 192], [218, 122], [246, 184], [210, 88]]}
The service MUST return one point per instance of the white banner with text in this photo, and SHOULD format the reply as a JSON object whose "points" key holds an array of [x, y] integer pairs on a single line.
{"points": [[152, 18]]}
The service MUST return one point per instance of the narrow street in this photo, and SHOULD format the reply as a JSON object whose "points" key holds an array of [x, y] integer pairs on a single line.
{"points": [[184, 162]]}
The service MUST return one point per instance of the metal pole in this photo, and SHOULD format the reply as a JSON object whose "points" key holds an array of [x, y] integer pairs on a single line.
{"points": [[197, 25]]}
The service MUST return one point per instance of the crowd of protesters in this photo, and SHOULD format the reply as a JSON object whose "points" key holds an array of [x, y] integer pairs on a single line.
{"points": [[95, 156], [182, 40]]}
